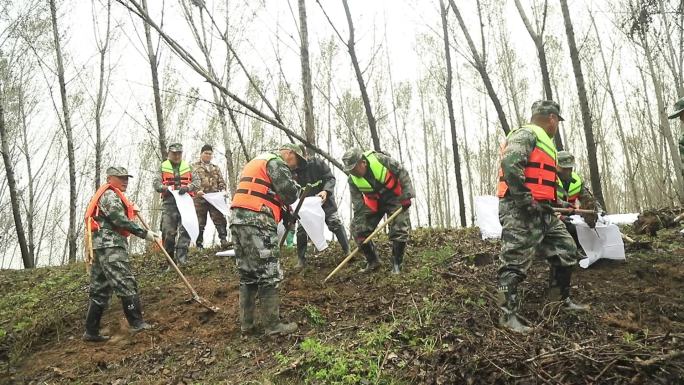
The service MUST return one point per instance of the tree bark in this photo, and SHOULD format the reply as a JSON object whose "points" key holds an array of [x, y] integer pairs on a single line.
{"points": [[372, 123], [309, 128], [584, 106], [71, 235], [26, 257], [31, 209], [154, 70], [101, 97], [480, 65], [452, 119]]}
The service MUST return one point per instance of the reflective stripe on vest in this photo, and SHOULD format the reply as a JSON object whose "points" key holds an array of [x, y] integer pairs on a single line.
{"points": [[93, 210], [573, 190], [255, 189], [382, 175], [169, 178], [540, 171]]}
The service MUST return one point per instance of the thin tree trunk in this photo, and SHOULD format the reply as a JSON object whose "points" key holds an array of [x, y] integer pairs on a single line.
{"points": [[480, 65], [452, 120], [71, 235], [372, 123], [154, 70], [31, 209], [309, 128], [584, 106], [467, 151], [100, 101], [427, 158]]}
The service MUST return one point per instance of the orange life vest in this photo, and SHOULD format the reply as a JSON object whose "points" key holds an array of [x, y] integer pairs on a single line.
{"points": [[169, 178], [540, 171], [381, 174], [93, 209], [255, 189]]}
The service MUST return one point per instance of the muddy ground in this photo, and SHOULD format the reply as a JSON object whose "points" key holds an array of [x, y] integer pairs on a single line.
{"points": [[434, 324]]}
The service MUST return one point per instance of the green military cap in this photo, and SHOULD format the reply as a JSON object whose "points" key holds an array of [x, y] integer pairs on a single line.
{"points": [[565, 159], [545, 107], [294, 148], [175, 147], [678, 108], [351, 158], [118, 171]]}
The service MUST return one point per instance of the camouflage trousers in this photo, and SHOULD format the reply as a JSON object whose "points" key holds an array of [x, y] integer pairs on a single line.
{"points": [[257, 255], [111, 273], [365, 221], [172, 229], [202, 207], [332, 220], [525, 237]]}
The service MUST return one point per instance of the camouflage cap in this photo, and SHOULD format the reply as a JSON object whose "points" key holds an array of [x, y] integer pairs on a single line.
{"points": [[565, 159], [294, 148], [175, 147], [545, 107], [118, 171], [351, 158], [678, 109]]}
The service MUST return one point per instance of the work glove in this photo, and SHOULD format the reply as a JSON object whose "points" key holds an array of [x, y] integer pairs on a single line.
{"points": [[406, 203], [136, 208], [153, 236], [183, 190]]}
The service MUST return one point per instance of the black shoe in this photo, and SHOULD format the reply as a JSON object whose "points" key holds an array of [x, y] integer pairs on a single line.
{"points": [[133, 312], [507, 299], [398, 249], [372, 261], [92, 326]]}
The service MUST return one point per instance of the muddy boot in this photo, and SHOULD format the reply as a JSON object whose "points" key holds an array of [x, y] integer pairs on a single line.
{"points": [[223, 234], [270, 313], [341, 236], [372, 261], [171, 250], [181, 256], [133, 312], [92, 324], [301, 255], [247, 303], [559, 288], [398, 249], [199, 243], [507, 300]]}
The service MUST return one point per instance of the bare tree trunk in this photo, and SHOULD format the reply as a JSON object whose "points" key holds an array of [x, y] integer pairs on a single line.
{"points": [[309, 128], [101, 96], [154, 69], [467, 151], [12, 184], [71, 236], [31, 209], [428, 182], [479, 63], [584, 106], [452, 120], [372, 123]]}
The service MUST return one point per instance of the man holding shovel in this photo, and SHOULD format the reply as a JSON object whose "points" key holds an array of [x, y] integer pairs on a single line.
{"points": [[265, 187], [379, 185], [109, 221]]}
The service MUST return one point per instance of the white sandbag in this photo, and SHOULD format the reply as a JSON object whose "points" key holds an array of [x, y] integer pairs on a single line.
{"points": [[312, 218], [186, 207], [218, 200], [226, 253], [487, 216], [604, 241], [622, 219]]}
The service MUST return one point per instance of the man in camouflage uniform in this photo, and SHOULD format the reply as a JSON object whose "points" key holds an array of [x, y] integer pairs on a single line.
{"points": [[527, 189], [111, 269], [210, 180], [175, 174], [379, 185], [265, 186], [678, 112], [316, 172], [573, 193]]}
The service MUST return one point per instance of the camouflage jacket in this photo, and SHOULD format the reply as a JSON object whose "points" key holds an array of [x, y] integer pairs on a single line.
{"points": [[519, 146], [210, 178], [316, 170], [112, 217], [386, 196], [283, 185], [159, 187]]}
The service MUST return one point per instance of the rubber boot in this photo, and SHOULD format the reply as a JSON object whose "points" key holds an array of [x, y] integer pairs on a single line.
{"points": [[507, 299], [559, 288], [133, 312], [301, 255], [270, 313], [223, 234], [398, 249], [181, 256], [372, 261], [92, 324], [341, 236], [199, 243], [247, 303], [171, 250]]}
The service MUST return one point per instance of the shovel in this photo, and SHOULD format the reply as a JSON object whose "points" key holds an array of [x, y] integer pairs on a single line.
{"points": [[193, 293], [368, 239]]}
